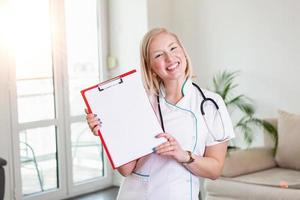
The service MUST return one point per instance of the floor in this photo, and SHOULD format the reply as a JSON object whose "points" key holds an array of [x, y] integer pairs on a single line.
{"points": [[107, 194]]}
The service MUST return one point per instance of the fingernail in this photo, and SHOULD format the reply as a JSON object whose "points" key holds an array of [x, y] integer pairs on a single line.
{"points": [[153, 149]]}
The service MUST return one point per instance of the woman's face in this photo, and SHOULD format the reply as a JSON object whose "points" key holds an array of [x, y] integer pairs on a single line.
{"points": [[167, 58]]}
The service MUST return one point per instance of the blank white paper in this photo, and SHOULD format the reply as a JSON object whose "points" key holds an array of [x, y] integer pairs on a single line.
{"points": [[129, 124]]}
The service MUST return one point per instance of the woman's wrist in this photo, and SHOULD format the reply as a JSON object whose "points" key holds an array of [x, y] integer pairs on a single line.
{"points": [[189, 158]]}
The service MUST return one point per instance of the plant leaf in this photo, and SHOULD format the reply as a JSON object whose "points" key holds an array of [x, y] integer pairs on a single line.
{"points": [[223, 84], [236, 100], [246, 108]]}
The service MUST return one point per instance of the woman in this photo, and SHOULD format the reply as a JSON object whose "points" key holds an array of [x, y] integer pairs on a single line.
{"points": [[191, 150]]}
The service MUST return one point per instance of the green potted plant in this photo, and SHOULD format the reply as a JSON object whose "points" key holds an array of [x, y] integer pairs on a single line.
{"points": [[224, 85]]}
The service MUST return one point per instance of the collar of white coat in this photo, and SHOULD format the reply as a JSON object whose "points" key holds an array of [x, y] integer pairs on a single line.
{"points": [[185, 89]]}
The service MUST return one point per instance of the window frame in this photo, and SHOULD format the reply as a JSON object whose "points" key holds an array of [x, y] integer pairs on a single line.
{"points": [[63, 120]]}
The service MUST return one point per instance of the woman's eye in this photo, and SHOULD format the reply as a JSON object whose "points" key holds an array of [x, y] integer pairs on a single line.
{"points": [[157, 55], [173, 48]]}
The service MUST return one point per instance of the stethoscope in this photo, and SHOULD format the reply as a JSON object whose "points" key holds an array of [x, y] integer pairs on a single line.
{"points": [[205, 100]]}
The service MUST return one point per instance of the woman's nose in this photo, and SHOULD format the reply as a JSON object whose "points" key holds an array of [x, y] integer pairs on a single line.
{"points": [[169, 57]]}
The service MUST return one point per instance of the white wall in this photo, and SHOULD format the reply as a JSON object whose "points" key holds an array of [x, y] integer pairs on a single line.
{"points": [[258, 37], [5, 140], [127, 25], [159, 13], [5, 129]]}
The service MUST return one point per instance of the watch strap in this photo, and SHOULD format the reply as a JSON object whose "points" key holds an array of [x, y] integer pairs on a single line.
{"points": [[191, 158]]}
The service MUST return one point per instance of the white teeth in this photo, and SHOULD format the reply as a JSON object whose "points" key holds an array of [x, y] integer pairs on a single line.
{"points": [[172, 67]]}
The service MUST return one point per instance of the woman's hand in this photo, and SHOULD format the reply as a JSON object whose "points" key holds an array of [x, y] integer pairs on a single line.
{"points": [[171, 148], [93, 122]]}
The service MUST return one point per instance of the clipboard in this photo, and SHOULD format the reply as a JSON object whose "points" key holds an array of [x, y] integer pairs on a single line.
{"points": [[129, 124]]}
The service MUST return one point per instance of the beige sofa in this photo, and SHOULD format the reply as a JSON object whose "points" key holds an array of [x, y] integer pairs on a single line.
{"points": [[256, 174]]}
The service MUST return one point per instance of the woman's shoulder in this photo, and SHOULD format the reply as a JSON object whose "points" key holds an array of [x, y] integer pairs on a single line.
{"points": [[211, 94]]}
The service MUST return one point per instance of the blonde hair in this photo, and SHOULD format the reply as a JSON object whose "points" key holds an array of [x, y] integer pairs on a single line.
{"points": [[151, 81]]}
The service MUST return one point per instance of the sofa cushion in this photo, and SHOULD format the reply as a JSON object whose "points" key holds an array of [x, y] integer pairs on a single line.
{"points": [[272, 177], [239, 162], [288, 149], [226, 188]]}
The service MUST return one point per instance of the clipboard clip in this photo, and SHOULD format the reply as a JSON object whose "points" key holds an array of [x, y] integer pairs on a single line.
{"points": [[110, 83]]}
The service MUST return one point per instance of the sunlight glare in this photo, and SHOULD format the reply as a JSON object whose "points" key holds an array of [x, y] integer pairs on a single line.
{"points": [[33, 38], [6, 22]]}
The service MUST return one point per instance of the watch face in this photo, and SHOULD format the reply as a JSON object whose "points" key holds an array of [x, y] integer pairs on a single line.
{"points": [[191, 157]]}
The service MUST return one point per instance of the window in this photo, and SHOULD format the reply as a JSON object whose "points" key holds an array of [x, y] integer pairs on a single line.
{"points": [[58, 52], [83, 70]]}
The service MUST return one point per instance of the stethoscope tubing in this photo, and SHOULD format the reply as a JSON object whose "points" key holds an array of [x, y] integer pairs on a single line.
{"points": [[205, 100]]}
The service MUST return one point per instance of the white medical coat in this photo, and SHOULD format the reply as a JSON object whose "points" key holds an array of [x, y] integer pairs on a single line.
{"points": [[163, 178]]}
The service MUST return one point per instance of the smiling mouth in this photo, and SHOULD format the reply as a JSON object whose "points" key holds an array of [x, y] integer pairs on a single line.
{"points": [[173, 66]]}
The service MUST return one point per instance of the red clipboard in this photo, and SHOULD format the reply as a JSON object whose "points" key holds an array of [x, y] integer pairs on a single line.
{"points": [[129, 121]]}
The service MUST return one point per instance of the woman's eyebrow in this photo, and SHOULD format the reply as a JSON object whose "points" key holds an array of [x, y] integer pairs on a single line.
{"points": [[172, 44], [159, 50], [156, 51]]}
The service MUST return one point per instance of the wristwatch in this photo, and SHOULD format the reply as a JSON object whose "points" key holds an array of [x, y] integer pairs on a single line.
{"points": [[191, 158]]}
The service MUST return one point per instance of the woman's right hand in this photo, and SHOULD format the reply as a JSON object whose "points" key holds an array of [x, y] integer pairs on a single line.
{"points": [[93, 122]]}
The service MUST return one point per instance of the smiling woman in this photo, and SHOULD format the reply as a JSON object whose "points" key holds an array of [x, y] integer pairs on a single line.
{"points": [[191, 151], [167, 58]]}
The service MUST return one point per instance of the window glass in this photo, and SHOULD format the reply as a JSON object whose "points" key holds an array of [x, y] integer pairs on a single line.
{"points": [[83, 54], [38, 159], [86, 152], [33, 56]]}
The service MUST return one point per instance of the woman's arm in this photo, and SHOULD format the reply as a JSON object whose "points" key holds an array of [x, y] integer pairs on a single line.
{"points": [[211, 165], [208, 166]]}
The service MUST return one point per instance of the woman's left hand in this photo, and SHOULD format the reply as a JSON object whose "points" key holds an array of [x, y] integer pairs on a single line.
{"points": [[171, 148]]}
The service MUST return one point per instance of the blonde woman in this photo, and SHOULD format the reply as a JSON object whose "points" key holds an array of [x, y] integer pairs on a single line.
{"points": [[192, 150]]}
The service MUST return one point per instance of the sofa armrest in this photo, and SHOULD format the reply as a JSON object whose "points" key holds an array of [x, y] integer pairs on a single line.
{"points": [[2, 162], [239, 162]]}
